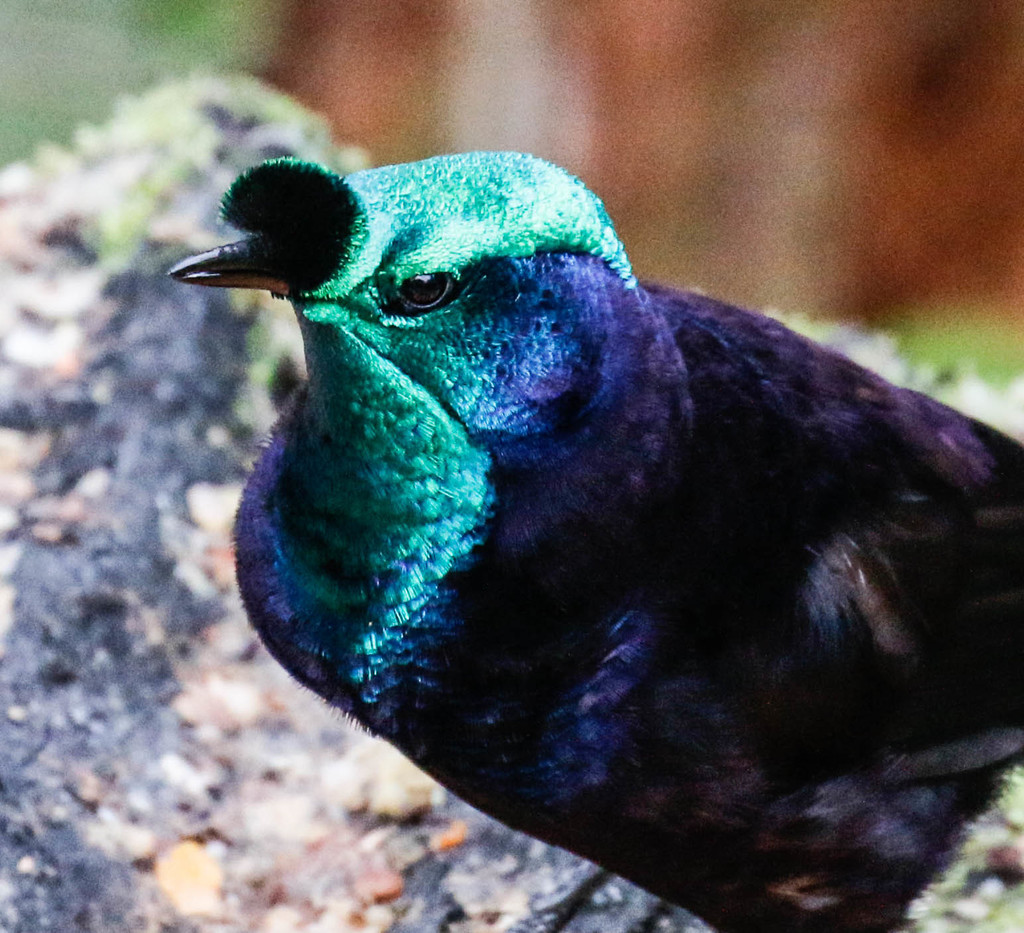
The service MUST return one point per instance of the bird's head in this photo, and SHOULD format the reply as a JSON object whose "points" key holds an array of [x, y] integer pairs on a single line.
{"points": [[481, 278]]}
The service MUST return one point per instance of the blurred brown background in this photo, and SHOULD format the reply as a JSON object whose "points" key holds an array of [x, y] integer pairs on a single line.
{"points": [[858, 158]]}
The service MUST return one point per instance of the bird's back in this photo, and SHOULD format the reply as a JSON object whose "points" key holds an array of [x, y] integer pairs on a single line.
{"points": [[863, 613]]}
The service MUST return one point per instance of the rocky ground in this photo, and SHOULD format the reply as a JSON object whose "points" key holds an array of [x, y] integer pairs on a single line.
{"points": [[158, 772]]}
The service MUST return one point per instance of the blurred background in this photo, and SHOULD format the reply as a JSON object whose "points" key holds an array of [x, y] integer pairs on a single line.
{"points": [[852, 159]]}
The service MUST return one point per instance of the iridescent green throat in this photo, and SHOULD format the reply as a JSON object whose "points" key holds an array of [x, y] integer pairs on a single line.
{"points": [[382, 495]]}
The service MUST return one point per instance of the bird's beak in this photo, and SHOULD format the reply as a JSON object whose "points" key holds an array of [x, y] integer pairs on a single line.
{"points": [[231, 266]]}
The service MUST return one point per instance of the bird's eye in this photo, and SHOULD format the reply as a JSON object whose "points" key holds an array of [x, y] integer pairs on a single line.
{"points": [[426, 291]]}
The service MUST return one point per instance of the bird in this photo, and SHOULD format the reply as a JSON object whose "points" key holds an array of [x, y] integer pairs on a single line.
{"points": [[645, 575]]}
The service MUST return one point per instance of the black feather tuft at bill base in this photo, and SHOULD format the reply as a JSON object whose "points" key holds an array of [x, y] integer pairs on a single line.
{"points": [[300, 216]]}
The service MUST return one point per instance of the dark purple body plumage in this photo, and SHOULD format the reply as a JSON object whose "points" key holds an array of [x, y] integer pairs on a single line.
{"points": [[745, 628]]}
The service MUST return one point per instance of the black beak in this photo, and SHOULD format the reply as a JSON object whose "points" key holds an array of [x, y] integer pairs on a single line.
{"points": [[231, 266]]}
